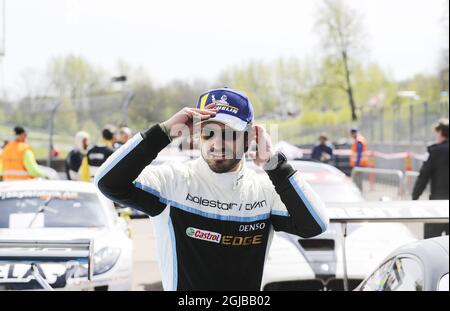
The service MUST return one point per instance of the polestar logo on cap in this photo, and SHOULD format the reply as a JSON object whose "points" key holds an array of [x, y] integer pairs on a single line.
{"points": [[234, 108]]}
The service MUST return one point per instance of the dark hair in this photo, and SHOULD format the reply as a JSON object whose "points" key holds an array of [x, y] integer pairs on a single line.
{"points": [[108, 133], [18, 130], [442, 126]]}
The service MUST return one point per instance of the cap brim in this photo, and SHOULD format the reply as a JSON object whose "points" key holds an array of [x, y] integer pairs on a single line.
{"points": [[228, 120]]}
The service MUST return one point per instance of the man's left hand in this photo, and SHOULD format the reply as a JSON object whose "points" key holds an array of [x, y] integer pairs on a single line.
{"points": [[264, 152]]}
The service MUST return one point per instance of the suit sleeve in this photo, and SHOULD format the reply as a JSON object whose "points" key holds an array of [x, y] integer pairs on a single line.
{"points": [[29, 161], [425, 173], [121, 177], [296, 208]]}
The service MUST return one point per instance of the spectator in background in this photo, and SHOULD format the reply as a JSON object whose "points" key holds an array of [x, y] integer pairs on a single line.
{"points": [[323, 151], [18, 161], [358, 156], [435, 170], [75, 157], [100, 152], [125, 135]]}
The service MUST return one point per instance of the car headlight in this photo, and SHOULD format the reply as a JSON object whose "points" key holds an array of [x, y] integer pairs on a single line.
{"points": [[105, 259]]}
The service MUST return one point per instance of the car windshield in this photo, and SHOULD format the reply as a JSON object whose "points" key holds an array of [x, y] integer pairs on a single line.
{"points": [[331, 185], [50, 209]]}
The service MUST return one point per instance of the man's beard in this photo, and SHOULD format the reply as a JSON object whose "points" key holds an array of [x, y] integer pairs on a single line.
{"points": [[222, 162], [221, 166], [225, 159]]}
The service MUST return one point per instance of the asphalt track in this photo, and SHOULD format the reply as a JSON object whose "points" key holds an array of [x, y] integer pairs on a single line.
{"points": [[146, 274]]}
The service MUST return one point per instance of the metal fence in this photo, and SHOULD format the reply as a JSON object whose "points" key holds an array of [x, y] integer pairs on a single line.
{"points": [[378, 184], [54, 121], [410, 179], [406, 123], [403, 123]]}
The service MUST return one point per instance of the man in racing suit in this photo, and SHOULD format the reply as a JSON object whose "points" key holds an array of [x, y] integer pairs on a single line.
{"points": [[213, 217]]}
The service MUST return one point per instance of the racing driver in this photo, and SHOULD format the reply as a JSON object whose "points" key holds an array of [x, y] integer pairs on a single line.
{"points": [[213, 217]]}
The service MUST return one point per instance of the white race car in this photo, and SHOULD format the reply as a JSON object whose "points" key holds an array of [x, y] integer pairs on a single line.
{"points": [[419, 266], [332, 185], [317, 263], [322, 263], [57, 211]]}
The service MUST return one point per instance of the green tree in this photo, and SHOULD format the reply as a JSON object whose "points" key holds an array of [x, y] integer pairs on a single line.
{"points": [[428, 88], [341, 32], [73, 77], [255, 80]]}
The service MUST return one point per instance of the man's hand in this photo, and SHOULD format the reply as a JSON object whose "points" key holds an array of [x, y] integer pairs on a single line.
{"points": [[264, 151], [182, 122]]}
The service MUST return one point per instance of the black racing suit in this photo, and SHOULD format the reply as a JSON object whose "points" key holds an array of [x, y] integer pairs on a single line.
{"points": [[213, 231]]}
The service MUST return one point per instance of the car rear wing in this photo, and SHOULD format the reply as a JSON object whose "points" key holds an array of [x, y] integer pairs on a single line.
{"points": [[391, 211], [382, 212], [34, 253]]}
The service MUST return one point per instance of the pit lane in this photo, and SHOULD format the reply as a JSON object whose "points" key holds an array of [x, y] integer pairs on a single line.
{"points": [[146, 275]]}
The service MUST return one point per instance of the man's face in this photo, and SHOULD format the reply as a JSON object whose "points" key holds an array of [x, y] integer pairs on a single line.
{"points": [[354, 134], [22, 137], [439, 137], [322, 140], [85, 143], [221, 147]]}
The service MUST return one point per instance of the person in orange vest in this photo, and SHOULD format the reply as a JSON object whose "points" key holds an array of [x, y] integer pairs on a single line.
{"points": [[358, 156], [18, 161]]}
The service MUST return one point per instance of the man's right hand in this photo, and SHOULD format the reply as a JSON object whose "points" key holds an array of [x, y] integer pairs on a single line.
{"points": [[183, 120]]}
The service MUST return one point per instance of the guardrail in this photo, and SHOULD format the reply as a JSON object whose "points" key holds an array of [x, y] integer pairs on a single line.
{"points": [[410, 179], [376, 183]]}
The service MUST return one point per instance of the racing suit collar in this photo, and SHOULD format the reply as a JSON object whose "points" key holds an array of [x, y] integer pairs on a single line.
{"points": [[230, 179]]}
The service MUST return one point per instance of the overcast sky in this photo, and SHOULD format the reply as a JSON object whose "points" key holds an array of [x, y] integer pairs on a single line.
{"points": [[198, 38]]}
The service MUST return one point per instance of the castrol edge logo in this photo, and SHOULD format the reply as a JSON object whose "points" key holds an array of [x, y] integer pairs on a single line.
{"points": [[203, 235], [226, 240]]}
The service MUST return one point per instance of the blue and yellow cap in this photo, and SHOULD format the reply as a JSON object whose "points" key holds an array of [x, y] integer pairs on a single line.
{"points": [[234, 108]]}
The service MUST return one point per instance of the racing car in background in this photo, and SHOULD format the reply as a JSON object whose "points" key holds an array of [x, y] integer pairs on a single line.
{"points": [[321, 257], [331, 184], [419, 266], [53, 211], [343, 261]]}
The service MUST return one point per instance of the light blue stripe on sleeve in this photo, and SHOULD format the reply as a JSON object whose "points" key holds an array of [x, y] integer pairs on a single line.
{"points": [[121, 153], [197, 211], [174, 256], [310, 208], [280, 213], [147, 189]]}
